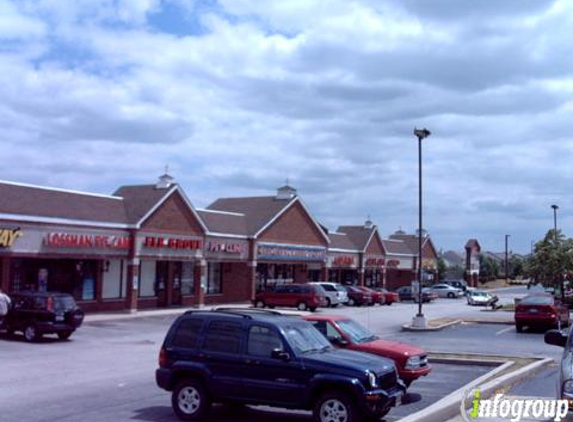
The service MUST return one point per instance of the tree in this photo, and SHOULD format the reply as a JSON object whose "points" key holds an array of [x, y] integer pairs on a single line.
{"points": [[516, 266], [488, 268], [551, 260], [442, 268]]}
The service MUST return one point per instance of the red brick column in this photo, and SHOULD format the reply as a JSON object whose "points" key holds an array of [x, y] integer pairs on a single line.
{"points": [[361, 276], [200, 282], [251, 280], [132, 285]]}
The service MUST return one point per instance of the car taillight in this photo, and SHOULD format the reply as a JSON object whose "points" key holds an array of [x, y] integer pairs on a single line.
{"points": [[50, 304], [162, 358]]}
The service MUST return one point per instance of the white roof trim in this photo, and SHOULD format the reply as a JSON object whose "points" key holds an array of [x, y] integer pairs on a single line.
{"points": [[343, 250], [67, 221], [220, 212], [339, 233], [370, 239], [401, 254], [281, 212], [234, 236], [162, 201], [76, 192]]}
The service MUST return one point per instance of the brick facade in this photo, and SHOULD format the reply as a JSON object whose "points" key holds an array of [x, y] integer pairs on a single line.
{"points": [[174, 216]]}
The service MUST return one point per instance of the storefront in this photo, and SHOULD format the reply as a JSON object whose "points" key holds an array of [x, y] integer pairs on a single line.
{"points": [[283, 263], [343, 267], [86, 263], [227, 270], [374, 270]]}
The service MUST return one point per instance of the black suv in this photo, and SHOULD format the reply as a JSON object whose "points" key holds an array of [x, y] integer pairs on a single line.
{"points": [[264, 358], [39, 313]]}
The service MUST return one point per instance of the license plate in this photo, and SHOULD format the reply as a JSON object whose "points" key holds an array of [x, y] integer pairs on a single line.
{"points": [[533, 311], [59, 317]]}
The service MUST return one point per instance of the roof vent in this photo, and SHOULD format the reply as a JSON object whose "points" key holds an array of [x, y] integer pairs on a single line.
{"points": [[286, 192], [165, 181]]}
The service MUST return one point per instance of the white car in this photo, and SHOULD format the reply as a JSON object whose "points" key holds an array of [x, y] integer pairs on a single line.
{"points": [[445, 290], [335, 293], [479, 297]]}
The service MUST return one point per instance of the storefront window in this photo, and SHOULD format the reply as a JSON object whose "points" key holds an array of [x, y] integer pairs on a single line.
{"points": [[76, 277], [214, 278], [187, 278]]}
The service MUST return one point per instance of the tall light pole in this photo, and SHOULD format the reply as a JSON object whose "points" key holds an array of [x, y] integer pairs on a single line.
{"points": [[506, 260], [419, 319], [555, 208]]}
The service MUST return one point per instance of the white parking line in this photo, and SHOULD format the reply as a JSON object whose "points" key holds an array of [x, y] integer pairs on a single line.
{"points": [[505, 330]]}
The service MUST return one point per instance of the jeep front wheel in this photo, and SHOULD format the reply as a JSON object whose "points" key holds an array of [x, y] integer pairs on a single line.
{"points": [[302, 306], [334, 407], [190, 400]]}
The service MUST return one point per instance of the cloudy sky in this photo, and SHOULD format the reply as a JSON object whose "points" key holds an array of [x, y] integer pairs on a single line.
{"points": [[238, 95]]}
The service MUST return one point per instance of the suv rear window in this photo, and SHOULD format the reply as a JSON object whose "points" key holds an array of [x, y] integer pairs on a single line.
{"points": [[187, 333], [64, 303], [224, 337]]}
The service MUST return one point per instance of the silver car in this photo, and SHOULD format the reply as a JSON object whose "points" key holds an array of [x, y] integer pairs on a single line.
{"points": [[445, 290], [479, 297], [565, 379], [335, 293]]}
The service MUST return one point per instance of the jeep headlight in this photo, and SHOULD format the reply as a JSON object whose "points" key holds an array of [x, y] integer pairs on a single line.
{"points": [[568, 387], [372, 380]]}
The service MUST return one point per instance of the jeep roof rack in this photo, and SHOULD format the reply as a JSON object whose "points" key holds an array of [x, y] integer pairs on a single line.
{"points": [[248, 310]]}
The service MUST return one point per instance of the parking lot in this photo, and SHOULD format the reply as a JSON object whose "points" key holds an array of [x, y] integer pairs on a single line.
{"points": [[106, 371]]}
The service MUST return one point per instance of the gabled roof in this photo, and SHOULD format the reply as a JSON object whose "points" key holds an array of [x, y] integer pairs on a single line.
{"points": [[140, 199], [412, 241], [359, 235], [473, 243], [261, 211], [341, 241], [453, 258], [37, 202], [224, 223], [397, 247]]}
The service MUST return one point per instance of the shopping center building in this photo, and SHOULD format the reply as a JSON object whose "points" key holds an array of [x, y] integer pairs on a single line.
{"points": [[147, 246]]}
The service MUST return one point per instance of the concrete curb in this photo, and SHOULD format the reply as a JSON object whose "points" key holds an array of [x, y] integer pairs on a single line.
{"points": [[485, 321], [408, 327], [451, 405]]}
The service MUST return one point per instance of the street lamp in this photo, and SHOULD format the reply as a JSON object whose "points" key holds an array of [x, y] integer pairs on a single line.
{"points": [[506, 260], [419, 319], [555, 208]]}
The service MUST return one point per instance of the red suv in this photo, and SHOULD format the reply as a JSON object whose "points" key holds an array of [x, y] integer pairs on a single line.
{"points": [[301, 296], [540, 310], [411, 361]]}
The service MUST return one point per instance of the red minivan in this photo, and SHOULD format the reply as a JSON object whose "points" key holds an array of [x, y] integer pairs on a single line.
{"points": [[540, 310], [301, 296]]}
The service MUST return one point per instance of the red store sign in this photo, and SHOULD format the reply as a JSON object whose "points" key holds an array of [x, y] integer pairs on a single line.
{"points": [[393, 263], [231, 248], [171, 243], [343, 260], [375, 262], [71, 240]]}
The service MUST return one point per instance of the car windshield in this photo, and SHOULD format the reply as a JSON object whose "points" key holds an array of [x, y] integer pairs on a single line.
{"points": [[304, 338], [340, 288], [479, 294], [537, 300], [355, 331]]}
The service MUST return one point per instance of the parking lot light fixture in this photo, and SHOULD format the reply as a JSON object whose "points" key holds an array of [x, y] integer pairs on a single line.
{"points": [[419, 319]]}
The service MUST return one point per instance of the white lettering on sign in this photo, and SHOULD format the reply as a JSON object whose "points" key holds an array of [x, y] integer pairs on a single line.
{"points": [[232, 248]]}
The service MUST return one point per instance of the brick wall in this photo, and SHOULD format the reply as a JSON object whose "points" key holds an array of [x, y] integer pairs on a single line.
{"points": [[295, 227], [397, 278], [375, 246], [174, 216], [235, 284]]}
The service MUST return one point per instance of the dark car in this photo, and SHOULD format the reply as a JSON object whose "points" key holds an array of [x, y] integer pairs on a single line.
{"points": [[405, 293], [38, 313], [458, 284], [565, 377], [260, 357], [358, 297], [540, 310], [301, 296]]}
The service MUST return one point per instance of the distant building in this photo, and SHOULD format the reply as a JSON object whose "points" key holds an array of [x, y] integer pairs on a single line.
{"points": [[473, 250]]}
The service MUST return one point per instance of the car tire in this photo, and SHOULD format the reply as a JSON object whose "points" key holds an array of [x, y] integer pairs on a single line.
{"points": [[335, 407], [302, 306], [451, 295], [259, 304], [31, 333], [328, 303], [190, 400], [312, 309], [64, 335], [389, 303], [519, 328], [351, 302]]}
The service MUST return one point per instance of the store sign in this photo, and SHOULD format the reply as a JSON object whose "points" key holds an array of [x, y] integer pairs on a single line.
{"points": [[291, 253], [72, 240], [158, 242], [375, 262], [393, 263], [343, 260], [230, 248], [8, 236]]}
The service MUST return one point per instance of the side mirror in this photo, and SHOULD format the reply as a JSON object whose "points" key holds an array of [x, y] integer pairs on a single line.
{"points": [[555, 338], [280, 355]]}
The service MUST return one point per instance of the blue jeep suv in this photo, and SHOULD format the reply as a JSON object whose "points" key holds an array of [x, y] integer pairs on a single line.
{"points": [[263, 358]]}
